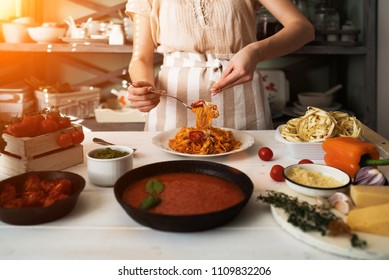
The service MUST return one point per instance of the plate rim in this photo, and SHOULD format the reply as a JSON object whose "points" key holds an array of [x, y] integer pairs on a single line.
{"points": [[173, 131]]}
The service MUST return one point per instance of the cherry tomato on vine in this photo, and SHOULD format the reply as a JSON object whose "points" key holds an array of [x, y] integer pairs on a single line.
{"points": [[48, 126], [15, 129], [64, 122], [265, 153], [64, 140], [55, 116], [305, 161], [277, 173], [77, 136], [30, 125]]}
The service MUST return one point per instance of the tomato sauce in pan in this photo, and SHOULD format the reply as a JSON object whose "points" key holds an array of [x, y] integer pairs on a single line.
{"points": [[187, 194]]}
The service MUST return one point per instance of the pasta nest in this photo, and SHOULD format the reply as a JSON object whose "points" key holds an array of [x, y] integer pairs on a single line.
{"points": [[317, 125]]}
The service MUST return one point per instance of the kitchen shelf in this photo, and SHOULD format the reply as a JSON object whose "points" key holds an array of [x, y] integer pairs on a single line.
{"points": [[105, 48], [65, 48]]}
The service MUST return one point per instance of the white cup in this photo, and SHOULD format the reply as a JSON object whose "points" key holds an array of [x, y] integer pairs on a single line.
{"points": [[77, 33]]}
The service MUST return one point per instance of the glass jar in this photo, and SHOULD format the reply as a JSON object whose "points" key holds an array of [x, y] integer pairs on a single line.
{"points": [[321, 13], [349, 37], [268, 25], [332, 23]]}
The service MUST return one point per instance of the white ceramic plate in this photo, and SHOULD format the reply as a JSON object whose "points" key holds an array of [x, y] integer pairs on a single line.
{"points": [[301, 150], [377, 246], [161, 140]]}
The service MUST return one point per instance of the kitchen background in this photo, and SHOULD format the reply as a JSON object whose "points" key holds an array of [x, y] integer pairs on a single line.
{"points": [[358, 65]]}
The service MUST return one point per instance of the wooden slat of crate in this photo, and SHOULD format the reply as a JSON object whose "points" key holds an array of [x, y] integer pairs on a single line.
{"points": [[56, 161], [29, 147]]}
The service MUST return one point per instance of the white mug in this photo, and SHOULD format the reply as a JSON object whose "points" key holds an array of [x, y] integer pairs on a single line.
{"points": [[77, 33]]}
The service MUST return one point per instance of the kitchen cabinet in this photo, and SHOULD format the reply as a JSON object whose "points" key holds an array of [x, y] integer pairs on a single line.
{"points": [[353, 66], [317, 67], [40, 59]]}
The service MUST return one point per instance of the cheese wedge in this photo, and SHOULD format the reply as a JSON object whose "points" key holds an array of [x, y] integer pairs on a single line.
{"points": [[372, 219], [364, 196]]}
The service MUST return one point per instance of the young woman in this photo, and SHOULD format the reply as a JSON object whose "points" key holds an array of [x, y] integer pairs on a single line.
{"points": [[210, 52]]}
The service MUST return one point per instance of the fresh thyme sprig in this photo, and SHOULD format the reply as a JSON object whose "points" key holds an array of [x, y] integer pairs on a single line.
{"points": [[306, 216]]}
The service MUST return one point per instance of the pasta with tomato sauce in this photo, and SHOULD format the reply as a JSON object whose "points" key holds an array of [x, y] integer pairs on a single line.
{"points": [[204, 139]]}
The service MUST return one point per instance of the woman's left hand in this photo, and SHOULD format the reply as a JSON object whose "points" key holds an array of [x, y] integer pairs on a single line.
{"points": [[240, 69]]}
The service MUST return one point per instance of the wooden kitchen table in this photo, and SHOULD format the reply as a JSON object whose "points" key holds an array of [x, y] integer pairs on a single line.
{"points": [[98, 228]]}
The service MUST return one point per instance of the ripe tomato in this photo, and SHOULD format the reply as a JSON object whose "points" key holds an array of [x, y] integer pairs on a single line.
{"points": [[30, 125], [64, 122], [77, 136], [64, 140], [265, 153], [55, 116], [305, 161], [197, 136], [277, 173], [15, 129], [48, 126]]}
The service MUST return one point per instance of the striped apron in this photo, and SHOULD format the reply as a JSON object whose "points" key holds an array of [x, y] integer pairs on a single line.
{"points": [[190, 76]]}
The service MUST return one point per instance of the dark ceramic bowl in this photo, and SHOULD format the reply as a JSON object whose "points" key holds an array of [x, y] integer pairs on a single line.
{"points": [[39, 215], [184, 223]]}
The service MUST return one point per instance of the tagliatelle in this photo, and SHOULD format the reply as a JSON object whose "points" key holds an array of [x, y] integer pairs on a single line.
{"points": [[317, 125], [204, 139]]}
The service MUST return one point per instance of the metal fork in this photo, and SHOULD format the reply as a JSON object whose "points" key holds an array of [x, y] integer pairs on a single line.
{"points": [[163, 93], [176, 98]]}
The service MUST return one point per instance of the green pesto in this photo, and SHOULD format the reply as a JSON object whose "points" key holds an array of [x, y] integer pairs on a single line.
{"points": [[108, 153]]}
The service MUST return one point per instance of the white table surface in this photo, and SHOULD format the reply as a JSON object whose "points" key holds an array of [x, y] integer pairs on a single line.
{"points": [[98, 228]]}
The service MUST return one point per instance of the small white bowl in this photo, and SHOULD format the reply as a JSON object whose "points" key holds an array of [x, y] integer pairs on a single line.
{"points": [[315, 99], [44, 34], [105, 172], [15, 33], [317, 191]]}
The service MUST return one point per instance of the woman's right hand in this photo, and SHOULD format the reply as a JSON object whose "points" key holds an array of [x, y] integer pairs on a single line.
{"points": [[141, 96]]}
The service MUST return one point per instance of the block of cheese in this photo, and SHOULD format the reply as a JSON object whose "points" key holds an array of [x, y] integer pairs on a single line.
{"points": [[364, 196], [372, 219]]}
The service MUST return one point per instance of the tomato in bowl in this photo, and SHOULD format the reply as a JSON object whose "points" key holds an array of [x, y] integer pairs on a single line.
{"points": [[34, 208]]}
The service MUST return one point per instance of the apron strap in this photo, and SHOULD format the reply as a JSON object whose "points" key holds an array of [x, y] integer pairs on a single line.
{"points": [[218, 63]]}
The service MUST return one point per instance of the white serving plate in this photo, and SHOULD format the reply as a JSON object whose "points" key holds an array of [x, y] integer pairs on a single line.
{"points": [[377, 246], [300, 150], [161, 140]]}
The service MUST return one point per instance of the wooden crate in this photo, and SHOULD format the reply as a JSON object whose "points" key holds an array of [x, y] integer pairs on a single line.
{"points": [[23, 154]]}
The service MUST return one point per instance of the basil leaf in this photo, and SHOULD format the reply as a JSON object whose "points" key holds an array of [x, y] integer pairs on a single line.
{"points": [[150, 202], [154, 187]]}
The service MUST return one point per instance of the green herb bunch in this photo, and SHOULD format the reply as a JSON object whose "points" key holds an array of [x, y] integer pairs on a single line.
{"points": [[306, 216]]}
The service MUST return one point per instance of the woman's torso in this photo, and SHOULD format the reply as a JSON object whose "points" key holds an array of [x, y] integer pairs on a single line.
{"points": [[219, 28], [203, 26]]}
